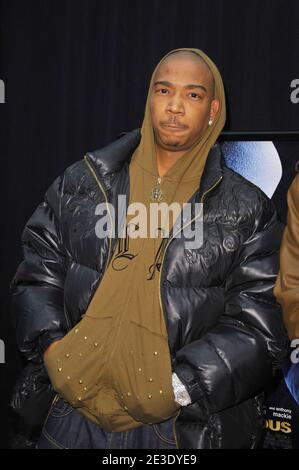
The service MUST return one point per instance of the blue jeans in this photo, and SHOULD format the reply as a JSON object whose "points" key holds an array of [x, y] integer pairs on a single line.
{"points": [[66, 428]]}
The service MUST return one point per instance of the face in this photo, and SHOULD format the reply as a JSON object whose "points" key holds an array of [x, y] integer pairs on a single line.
{"points": [[181, 102]]}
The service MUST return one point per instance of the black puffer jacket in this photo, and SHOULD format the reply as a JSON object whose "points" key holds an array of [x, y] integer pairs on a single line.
{"points": [[225, 329]]}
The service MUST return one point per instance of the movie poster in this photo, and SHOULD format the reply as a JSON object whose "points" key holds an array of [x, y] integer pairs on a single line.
{"points": [[271, 165]]}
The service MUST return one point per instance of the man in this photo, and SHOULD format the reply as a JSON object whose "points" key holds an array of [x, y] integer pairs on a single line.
{"points": [[287, 284], [151, 342], [286, 288]]}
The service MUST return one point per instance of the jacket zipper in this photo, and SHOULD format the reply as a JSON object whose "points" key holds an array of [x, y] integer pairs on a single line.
{"points": [[160, 300], [55, 400], [174, 431], [106, 200]]}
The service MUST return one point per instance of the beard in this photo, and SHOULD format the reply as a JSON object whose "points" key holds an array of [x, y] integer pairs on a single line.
{"points": [[169, 142], [175, 144]]}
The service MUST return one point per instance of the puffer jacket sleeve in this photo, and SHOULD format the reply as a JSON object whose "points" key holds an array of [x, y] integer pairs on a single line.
{"points": [[237, 358], [38, 286]]}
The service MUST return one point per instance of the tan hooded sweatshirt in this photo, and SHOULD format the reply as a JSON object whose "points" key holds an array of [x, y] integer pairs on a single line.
{"points": [[115, 365]]}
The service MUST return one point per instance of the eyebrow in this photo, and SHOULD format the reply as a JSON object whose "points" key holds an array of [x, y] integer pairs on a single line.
{"points": [[188, 87]]}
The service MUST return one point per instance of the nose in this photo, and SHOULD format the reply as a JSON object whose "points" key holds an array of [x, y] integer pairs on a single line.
{"points": [[175, 105]]}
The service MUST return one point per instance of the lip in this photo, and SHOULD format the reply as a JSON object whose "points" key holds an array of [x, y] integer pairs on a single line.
{"points": [[171, 126]]}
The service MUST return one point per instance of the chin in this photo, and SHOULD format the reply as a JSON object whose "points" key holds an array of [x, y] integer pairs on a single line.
{"points": [[172, 143]]}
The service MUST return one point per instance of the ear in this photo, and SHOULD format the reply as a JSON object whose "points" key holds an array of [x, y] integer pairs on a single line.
{"points": [[215, 105]]}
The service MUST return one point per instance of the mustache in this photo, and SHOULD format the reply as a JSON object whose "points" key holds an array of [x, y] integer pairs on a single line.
{"points": [[173, 121]]}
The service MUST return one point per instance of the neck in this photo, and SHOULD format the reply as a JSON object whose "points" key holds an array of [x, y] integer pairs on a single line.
{"points": [[166, 159]]}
